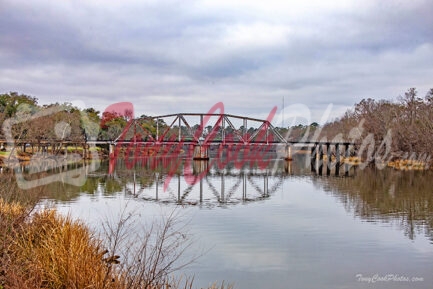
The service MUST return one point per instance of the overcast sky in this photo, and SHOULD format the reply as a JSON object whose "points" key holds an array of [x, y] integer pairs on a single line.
{"points": [[185, 56]]}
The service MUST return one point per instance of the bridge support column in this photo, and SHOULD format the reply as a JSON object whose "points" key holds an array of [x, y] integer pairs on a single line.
{"points": [[337, 158], [346, 161], [289, 153], [320, 146], [328, 159], [201, 153], [313, 153], [313, 159], [111, 150]]}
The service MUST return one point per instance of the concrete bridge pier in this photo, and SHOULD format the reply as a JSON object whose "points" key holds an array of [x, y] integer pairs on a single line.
{"points": [[289, 152], [111, 150], [201, 152]]}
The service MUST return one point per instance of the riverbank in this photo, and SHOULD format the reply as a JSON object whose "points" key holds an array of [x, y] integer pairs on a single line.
{"points": [[73, 154], [43, 249]]}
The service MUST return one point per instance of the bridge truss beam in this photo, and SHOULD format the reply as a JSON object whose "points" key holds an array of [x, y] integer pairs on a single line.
{"points": [[265, 132]]}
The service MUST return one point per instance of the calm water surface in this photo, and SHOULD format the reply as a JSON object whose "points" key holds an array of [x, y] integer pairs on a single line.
{"points": [[283, 226]]}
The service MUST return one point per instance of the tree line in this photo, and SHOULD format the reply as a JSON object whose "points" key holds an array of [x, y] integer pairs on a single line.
{"points": [[406, 122], [26, 120], [64, 122]]}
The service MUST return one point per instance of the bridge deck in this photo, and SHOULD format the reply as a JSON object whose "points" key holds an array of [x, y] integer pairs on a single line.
{"points": [[175, 142], [219, 142]]}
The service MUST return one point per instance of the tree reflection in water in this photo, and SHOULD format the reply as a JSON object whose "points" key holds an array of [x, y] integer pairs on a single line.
{"points": [[402, 198], [388, 195]]}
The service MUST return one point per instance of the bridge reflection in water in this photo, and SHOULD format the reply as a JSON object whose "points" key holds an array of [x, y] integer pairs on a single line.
{"points": [[386, 195], [172, 180]]}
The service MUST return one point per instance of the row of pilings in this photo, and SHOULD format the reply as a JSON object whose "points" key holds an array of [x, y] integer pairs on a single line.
{"points": [[201, 152], [333, 158]]}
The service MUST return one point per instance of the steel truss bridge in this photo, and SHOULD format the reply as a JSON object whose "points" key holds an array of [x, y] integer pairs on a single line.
{"points": [[223, 130], [203, 130]]}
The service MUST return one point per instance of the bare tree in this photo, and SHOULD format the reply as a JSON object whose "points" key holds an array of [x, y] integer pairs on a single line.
{"points": [[146, 257]]}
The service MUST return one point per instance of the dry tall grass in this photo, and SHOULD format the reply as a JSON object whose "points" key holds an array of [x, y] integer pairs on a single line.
{"points": [[47, 250], [43, 249]]}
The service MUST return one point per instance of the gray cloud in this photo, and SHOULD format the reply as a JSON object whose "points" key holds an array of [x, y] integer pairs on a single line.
{"points": [[174, 56]]}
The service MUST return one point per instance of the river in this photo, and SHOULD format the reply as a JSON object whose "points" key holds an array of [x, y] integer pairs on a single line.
{"points": [[284, 225]]}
